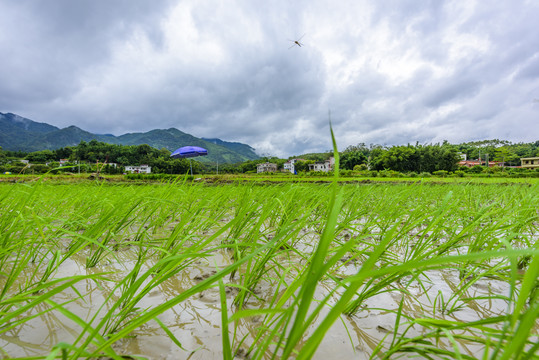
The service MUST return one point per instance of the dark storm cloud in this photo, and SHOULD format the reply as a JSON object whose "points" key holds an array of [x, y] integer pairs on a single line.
{"points": [[391, 72], [46, 44]]}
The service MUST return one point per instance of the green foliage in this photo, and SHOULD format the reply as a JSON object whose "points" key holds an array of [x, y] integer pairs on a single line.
{"points": [[361, 167], [440, 173], [41, 157], [404, 159], [418, 158], [302, 166], [499, 150], [476, 169], [40, 168], [351, 159], [24, 134]]}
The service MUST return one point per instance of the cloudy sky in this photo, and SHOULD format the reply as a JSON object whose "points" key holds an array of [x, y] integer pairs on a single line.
{"points": [[390, 72]]}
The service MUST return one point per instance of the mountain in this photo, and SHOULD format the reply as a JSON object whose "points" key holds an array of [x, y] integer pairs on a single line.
{"points": [[16, 129], [235, 146], [18, 133], [171, 139]]}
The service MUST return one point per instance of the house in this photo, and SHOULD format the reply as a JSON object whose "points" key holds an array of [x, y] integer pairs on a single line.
{"points": [[289, 165], [529, 163], [266, 167], [472, 163], [325, 166], [142, 169], [469, 163]]}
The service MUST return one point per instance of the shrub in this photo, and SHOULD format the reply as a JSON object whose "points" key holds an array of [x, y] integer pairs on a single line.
{"points": [[361, 167], [40, 168], [476, 169], [440, 173]]}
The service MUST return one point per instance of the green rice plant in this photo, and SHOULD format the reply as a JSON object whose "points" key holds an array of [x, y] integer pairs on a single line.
{"points": [[14, 308], [436, 243], [321, 253], [292, 322]]}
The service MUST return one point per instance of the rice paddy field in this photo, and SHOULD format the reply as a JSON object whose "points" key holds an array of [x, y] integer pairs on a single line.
{"points": [[186, 270]]}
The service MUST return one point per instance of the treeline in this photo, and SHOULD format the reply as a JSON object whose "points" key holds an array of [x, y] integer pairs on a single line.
{"points": [[409, 158], [499, 150], [415, 158], [96, 156], [420, 158]]}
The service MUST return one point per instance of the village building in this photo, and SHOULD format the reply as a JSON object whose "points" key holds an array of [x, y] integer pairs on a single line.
{"points": [[289, 165], [472, 163], [325, 166], [266, 167], [529, 163], [142, 169]]}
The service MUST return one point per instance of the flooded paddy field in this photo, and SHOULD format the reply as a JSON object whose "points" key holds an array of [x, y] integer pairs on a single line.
{"points": [[244, 271]]}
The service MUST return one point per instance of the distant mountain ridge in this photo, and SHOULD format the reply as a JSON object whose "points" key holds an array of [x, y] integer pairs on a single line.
{"points": [[21, 134]]}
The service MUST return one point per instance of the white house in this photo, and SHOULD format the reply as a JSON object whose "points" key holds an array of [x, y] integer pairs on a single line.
{"points": [[266, 167], [323, 166], [142, 169], [289, 165]]}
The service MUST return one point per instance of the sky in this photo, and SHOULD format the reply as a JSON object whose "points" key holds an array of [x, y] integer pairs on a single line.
{"points": [[385, 72]]}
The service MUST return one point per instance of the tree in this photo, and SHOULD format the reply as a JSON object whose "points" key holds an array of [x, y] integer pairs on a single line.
{"points": [[476, 169], [40, 168], [41, 157], [3, 157], [399, 158], [352, 158], [505, 155], [302, 166]]}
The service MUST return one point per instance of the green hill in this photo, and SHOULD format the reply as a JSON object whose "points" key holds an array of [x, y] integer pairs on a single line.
{"points": [[21, 134]]}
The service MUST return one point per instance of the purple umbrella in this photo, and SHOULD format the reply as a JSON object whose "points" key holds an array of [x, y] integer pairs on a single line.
{"points": [[189, 152]]}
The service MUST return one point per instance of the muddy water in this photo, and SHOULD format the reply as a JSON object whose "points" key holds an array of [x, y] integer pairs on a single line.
{"points": [[196, 322]]}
